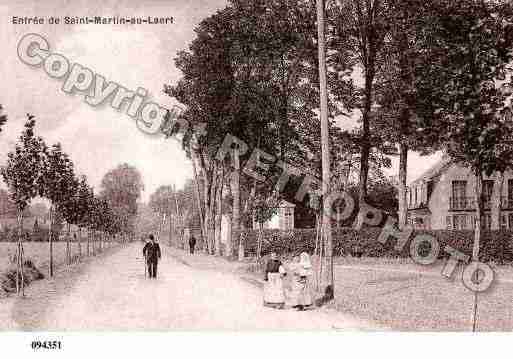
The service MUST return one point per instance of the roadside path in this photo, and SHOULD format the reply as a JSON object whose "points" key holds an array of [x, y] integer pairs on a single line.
{"points": [[112, 293]]}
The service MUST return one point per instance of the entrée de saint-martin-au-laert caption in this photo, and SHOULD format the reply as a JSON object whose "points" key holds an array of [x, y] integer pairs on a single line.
{"points": [[91, 20]]}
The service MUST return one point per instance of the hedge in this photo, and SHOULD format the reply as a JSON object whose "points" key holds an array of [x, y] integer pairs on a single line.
{"points": [[495, 246], [11, 235]]}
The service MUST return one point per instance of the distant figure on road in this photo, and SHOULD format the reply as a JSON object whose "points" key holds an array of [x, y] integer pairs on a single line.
{"points": [[301, 284], [192, 243], [274, 295], [151, 253]]}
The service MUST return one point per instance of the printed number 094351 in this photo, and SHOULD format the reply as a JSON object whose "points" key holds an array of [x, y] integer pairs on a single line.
{"points": [[46, 344]]}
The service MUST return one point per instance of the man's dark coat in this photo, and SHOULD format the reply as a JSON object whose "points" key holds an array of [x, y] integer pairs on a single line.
{"points": [[151, 252]]}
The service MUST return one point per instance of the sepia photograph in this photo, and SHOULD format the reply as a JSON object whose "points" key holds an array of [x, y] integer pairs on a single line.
{"points": [[260, 166]]}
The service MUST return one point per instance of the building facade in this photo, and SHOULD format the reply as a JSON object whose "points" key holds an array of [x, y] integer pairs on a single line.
{"points": [[283, 219], [444, 198]]}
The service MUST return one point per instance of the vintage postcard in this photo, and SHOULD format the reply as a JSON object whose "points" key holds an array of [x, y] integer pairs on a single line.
{"points": [[255, 165]]}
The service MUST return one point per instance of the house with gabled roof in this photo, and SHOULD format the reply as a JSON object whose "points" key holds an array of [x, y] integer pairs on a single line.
{"points": [[444, 198], [283, 219]]}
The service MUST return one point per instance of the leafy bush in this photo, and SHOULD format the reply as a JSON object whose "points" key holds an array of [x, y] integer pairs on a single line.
{"points": [[8, 278], [495, 246]]}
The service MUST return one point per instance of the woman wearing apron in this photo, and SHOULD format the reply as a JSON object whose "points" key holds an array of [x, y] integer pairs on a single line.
{"points": [[301, 296], [274, 295]]}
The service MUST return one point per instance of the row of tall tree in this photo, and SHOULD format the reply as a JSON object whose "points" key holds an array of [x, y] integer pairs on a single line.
{"points": [[248, 74], [34, 169], [418, 75]]}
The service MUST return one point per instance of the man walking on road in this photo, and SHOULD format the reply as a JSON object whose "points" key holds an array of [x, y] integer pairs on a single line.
{"points": [[192, 243], [151, 252]]}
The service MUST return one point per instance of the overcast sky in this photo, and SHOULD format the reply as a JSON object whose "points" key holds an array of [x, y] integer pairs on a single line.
{"points": [[98, 139]]}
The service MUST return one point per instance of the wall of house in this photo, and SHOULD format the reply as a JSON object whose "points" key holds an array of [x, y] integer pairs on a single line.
{"points": [[439, 202], [283, 219]]}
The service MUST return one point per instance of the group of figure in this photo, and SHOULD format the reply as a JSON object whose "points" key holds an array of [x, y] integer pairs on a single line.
{"points": [[300, 295]]}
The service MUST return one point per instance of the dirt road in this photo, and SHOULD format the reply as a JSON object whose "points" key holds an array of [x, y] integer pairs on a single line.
{"points": [[112, 293]]}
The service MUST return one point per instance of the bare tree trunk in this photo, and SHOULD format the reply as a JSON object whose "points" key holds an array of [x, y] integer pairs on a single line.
{"points": [[365, 139], [260, 240], [325, 144], [207, 185], [477, 234], [206, 226], [79, 242], [248, 208], [218, 215], [229, 246], [161, 220], [362, 184], [68, 247], [22, 274], [321, 256], [496, 205], [211, 210], [88, 241], [18, 267], [50, 240], [19, 263], [348, 171], [317, 230], [179, 220], [478, 188], [240, 251], [235, 187], [403, 206], [171, 231], [198, 198]]}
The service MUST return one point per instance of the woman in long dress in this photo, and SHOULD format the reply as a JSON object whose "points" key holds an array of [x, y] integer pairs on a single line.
{"points": [[274, 295], [301, 296]]}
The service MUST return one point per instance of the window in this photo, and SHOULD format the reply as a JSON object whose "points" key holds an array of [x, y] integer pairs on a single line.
{"points": [[510, 195], [510, 219], [487, 189], [504, 222], [429, 189], [459, 192], [487, 192], [416, 196], [472, 221], [288, 218], [448, 222], [486, 221], [460, 221]]}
